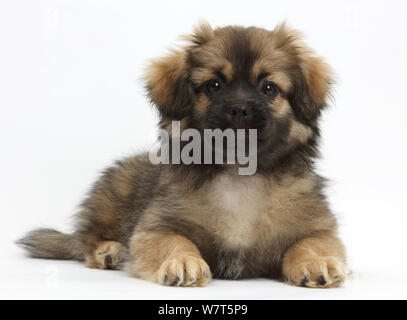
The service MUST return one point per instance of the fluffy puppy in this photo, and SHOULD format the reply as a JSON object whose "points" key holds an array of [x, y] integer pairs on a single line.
{"points": [[184, 224]]}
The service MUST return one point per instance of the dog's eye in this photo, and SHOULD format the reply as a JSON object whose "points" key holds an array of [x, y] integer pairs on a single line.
{"points": [[270, 88], [213, 85]]}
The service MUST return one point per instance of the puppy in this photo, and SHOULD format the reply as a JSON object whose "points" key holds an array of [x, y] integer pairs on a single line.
{"points": [[183, 224]]}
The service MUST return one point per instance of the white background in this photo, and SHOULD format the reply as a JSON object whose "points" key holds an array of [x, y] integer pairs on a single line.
{"points": [[71, 102]]}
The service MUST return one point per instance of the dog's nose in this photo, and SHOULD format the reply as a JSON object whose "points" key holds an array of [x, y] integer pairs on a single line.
{"points": [[239, 114]]}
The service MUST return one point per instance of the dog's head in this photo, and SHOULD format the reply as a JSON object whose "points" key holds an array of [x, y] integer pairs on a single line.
{"points": [[244, 78]]}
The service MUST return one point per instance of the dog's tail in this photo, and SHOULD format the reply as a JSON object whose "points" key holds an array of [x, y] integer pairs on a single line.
{"points": [[51, 244]]}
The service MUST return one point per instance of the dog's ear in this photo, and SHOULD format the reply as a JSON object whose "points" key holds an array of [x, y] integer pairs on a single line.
{"points": [[311, 87], [202, 33], [167, 79], [312, 77], [168, 85]]}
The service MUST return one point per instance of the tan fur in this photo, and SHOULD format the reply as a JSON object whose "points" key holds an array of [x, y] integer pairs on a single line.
{"points": [[248, 212], [200, 75], [299, 132], [318, 255], [266, 206], [108, 255], [281, 107], [243, 212], [162, 75], [318, 73], [264, 65], [169, 260], [201, 104], [202, 33], [180, 225], [319, 77]]}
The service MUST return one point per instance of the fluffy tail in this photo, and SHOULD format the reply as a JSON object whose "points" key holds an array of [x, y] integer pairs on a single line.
{"points": [[51, 244]]}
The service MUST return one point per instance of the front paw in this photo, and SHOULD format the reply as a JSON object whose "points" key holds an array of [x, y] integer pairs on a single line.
{"points": [[316, 272], [185, 271]]}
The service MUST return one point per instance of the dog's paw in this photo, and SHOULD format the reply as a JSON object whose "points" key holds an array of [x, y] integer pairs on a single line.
{"points": [[108, 255], [317, 272], [184, 271]]}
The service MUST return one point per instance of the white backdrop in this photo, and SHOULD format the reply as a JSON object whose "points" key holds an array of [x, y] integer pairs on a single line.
{"points": [[71, 102]]}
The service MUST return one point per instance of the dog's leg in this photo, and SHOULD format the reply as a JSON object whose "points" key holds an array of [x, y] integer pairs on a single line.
{"points": [[168, 259], [108, 255], [316, 262]]}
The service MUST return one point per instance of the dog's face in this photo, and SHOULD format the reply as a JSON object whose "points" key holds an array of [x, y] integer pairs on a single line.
{"points": [[244, 78]]}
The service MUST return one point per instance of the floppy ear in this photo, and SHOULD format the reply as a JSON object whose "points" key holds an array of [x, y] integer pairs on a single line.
{"points": [[312, 87], [168, 85], [167, 79], [312, 77]]}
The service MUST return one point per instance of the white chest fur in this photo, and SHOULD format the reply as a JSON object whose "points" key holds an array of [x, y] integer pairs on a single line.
{"points": [[239, 204]]}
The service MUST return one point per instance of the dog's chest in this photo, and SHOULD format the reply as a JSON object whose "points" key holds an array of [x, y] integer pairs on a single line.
{"points": [[240, 206]]}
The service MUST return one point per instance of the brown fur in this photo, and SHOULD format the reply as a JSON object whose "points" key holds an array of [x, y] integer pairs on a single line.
{"points": [[108, 255], [170, 259], [182, 225], [317, 261]]}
